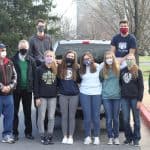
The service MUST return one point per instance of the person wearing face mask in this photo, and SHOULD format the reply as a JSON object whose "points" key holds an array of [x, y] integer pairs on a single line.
{"points": [[45, 92], [132, 88], [90, 96], [25, 68], [40, 42], [123, 43], [68, 79], [8, 80], [109, 77]]}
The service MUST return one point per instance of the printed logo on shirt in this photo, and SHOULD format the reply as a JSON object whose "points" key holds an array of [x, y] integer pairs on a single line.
{"points": [[48, 77], [122, 47], [69, 74], [127, 77]]}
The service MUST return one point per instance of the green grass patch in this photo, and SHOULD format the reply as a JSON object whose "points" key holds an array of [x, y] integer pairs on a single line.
{"points": [[145, 70], [145, 67], [144, 58]]}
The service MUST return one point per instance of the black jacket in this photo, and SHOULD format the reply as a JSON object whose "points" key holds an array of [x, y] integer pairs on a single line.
{"points": [[30, 72], [8, 76], [45, 83], [130, 87]]}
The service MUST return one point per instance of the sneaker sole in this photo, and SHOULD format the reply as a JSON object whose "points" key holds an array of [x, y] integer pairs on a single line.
{"points": [[10, 142]]}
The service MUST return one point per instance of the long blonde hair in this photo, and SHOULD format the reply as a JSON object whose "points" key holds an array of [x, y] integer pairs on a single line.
{"points": [[53, 65], [115, 65]]}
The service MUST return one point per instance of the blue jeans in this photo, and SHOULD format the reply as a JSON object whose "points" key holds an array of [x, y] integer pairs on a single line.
{"points": [[112, 109], [128, 104], [7, 109], [91, 112]]}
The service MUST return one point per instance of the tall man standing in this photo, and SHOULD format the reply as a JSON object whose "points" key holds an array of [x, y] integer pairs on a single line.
{"points": [[40, 42]]}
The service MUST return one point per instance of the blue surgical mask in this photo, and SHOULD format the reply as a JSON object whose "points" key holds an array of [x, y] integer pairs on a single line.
{"points": [[87, 62]]}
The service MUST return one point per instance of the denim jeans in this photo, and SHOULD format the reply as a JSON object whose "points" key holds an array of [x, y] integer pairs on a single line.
{"points": [[7, 107], [112, 109], [128, 104], [91, 112]]}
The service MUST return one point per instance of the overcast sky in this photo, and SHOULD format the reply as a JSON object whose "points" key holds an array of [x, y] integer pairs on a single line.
{"points": [[65, 8]]}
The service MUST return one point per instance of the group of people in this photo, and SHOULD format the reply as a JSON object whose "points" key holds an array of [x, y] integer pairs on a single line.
{"points": [[117, 83]]}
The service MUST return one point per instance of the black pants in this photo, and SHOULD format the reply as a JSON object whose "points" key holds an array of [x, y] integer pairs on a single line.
{"points": [[26, 98]]}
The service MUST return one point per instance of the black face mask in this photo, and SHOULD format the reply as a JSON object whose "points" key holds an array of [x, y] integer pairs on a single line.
{"points": [[40, 29], [23, 51], [69, 61]]}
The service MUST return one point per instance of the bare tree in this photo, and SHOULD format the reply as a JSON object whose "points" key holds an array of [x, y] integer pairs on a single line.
{"points": [[67, 29], [108, 13]]}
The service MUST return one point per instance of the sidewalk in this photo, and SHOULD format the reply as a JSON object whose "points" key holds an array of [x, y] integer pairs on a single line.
{"points": [[145, 108]]}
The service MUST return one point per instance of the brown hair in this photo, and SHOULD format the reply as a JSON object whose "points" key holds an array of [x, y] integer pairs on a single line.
{"points": [[124, 21], [83, 67], [53, 65], [40, 20], [115, 65], [62, 68]]}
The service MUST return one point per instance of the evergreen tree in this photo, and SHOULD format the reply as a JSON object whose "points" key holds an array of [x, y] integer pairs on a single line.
{"points": [[17, 20]]}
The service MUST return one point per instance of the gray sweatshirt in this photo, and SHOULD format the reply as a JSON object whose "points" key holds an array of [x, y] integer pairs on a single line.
{"points": [[38, 46]]}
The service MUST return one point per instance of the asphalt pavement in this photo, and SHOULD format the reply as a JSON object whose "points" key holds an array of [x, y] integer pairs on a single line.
{"points": [[25, 144]]}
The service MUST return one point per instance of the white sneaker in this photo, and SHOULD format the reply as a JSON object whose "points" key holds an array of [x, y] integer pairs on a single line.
{"points": [[96, 141], [110, 141], [70, 140], [65, 140], [8, 139], [116, 141], [87, 140]]}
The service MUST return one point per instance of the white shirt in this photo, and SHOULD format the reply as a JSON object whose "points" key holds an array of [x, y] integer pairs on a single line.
{"points": [[90, 83]]}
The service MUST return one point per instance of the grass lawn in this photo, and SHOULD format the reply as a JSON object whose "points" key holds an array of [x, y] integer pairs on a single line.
{"points": [[145, 67], [144, 58]]}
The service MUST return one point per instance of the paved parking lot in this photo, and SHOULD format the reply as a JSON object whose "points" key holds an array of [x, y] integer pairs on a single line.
{"points": [[24, 144]]}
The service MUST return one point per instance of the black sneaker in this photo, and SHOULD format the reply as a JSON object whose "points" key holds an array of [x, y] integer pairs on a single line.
{"points": [[16, 138], [44, 140], [29, 136], [127, 142], [136, 143], [49, 139]]}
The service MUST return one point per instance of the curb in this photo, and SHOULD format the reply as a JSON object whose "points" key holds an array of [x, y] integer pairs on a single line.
{"points": [[145, 113]]}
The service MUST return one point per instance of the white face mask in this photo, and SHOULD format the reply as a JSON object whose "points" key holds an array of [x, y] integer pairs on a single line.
{"points": [[3, 54], [109, 61]]}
